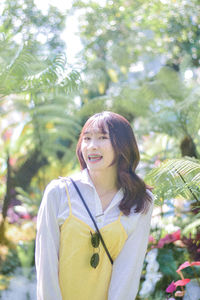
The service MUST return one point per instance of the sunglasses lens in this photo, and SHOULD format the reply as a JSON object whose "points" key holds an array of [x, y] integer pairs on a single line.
{"points": [[95, 240], [94, 260]]}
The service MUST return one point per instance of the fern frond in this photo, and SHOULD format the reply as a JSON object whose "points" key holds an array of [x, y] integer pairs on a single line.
{"points": [[177, 177], [192, 227], [12, 74], [26, 72]]}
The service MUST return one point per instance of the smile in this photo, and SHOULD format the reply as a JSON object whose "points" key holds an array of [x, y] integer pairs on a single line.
{"points": [[94, 157]]}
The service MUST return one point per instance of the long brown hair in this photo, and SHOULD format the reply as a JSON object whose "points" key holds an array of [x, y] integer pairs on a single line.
{"points": [[127, 158]]}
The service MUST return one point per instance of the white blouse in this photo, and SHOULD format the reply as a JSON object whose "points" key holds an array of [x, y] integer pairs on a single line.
{"points": [[52, 214]]}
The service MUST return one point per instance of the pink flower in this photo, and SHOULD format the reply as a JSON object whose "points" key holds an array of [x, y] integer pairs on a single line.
{"points": [[13, 161], [157, 162], [183, 266], [171, 288], [169, 238], [182, 282], [188, 264], [7, 134], [151, 239]]}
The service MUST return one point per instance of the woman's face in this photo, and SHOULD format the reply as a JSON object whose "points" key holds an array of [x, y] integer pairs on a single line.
{"points": [[97, 150]]}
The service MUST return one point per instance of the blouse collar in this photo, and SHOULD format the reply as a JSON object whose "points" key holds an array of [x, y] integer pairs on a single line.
{"points": [[85, 178]]}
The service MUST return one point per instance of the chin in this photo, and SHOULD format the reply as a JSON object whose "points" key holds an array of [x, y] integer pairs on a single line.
{"points": [[95, 168]]}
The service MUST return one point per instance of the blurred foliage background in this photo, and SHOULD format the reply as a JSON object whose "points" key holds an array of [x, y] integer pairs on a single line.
{"points": [[140, 59]]}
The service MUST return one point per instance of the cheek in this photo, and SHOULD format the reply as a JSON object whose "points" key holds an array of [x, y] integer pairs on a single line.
{"points": [[110, 146], [112, 151], [83, 149]]}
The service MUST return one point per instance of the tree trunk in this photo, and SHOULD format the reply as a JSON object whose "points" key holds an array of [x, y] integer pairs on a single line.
{"points": [[23, 176], [6, 201], [188, 147]]}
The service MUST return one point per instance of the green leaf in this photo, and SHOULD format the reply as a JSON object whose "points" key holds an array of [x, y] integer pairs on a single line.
{"points": [[167, 262]]}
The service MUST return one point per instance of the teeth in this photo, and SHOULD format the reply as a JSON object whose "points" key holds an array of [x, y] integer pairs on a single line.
{"points": [[94, 157]]}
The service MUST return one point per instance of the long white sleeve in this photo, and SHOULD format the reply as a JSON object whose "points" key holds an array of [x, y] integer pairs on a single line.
{"points": [[47, 246], [127, 267], [54, 211]]}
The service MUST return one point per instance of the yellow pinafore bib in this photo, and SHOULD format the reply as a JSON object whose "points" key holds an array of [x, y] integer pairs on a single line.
{"points": [[77, 279]]}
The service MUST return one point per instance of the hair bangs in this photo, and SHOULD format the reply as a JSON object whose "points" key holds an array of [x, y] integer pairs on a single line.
{"points": [[98, 122]]}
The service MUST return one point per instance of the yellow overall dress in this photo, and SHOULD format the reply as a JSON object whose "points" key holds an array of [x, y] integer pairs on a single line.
{"points": [[77, 279]]}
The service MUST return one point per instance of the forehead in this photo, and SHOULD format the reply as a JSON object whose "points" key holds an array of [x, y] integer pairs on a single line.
{"points": [[96, 127]]}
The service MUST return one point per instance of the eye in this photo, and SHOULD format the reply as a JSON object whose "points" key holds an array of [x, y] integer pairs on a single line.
{"points": [[86, 138], [103, 137]]}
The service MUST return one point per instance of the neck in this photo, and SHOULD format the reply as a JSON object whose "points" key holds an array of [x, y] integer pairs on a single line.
{"points": [[104, 182]]}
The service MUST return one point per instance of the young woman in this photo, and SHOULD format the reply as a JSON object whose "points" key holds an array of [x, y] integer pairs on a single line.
{"points": [[71, 260]]}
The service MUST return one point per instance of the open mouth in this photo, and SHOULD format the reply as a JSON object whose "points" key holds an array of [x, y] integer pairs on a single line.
{"points": [[94, 157]]}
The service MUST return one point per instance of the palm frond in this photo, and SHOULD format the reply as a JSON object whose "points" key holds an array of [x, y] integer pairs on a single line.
{"points": [[25, 72], [183, 166], [177, 177], [54, 74], [12, 74], [192, 227]]}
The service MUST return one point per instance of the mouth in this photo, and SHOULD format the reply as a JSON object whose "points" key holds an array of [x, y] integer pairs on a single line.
{"points": [[94, 157]]}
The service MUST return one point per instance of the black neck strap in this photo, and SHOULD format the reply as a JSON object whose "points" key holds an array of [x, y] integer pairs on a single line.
{"points": [[95, 224]]}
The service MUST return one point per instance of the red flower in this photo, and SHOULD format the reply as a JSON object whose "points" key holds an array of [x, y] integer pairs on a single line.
{"points": [[169, 238], [26, 216], [195, 263]]}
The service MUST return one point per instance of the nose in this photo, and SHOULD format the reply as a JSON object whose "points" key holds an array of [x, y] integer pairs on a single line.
{"points": [[93, 144]]}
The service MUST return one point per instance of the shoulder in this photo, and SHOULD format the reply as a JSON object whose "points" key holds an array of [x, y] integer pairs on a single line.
{"points": [[135, 219], [82, 179], [76, 176], [149, 193], [151, 204], [66, 182], [54, 186], [53, 194]]}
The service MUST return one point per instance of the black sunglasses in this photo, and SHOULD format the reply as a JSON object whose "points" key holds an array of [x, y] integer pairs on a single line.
{"points": [[95, 240]]}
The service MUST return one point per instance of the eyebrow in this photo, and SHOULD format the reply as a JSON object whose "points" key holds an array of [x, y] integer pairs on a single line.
{"points": [[100, 132]]}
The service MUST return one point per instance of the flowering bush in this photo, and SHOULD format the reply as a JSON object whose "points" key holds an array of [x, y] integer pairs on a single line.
{"points": [[152, 275], [172, 287], [169, 238], [19, 254], [163, 269]]}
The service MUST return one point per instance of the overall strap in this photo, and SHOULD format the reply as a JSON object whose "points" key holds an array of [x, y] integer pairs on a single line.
{"points": [[95, 224], [121, 213], [68, 198]]}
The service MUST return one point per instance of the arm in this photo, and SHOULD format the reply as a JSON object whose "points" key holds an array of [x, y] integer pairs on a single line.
{"points": [[47, 246], [127, 267]]}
